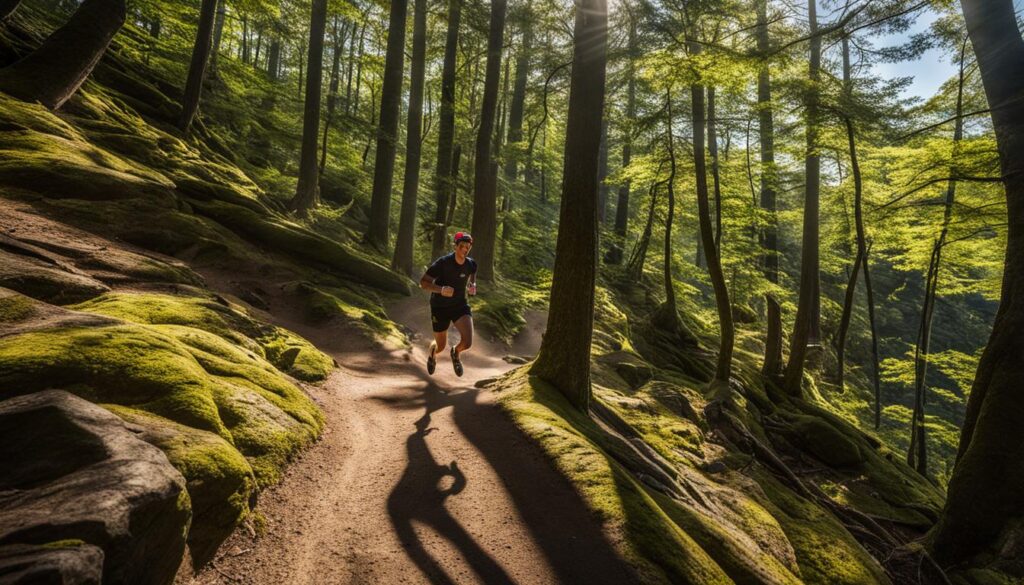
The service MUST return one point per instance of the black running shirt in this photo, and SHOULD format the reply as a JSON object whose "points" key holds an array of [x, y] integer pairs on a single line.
{"points": [[447, 272]]}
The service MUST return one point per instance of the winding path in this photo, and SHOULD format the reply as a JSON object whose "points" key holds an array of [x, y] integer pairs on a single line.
{"points": [[417, 479]]}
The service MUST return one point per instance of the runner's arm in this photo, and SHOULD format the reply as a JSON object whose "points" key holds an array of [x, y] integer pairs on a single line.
{"points": [[427, 283]]}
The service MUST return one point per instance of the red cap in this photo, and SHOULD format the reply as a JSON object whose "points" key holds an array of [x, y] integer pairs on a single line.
{"points": [[463, 237]]}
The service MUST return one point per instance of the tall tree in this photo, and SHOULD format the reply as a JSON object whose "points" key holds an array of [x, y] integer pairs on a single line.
{"points": [[387, 129], [669, 308], [984, 506], [917, 454], [564, 357], [769, 236], [443, 171], [809, 247], [723, 369], [218, 33], [622, 205], [53, 73], [338, 44], [715, 174], [402, 260], [485, 213], [602, 173], [516, 107], [307, 192], [197, 67]]}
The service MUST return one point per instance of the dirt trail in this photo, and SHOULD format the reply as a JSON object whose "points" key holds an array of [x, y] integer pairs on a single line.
{"points": [[417, 479]]}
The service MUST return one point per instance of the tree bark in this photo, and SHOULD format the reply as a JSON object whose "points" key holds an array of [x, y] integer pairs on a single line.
{"points": [[274, 58], [809, 247], [485, 218], [602, 173], [715, 175], [387, 129], [307, 192], [723, 369], [443, 175], [984, 505], [53, 73], [516, 107], [564, 357], [669, 310], [218, 34], [197, 68], [402, 260], [622, 205], [917, 454], [332, 90], [772, 367], [635, 266]]}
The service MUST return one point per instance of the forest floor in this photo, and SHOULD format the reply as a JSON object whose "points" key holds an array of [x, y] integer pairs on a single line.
{"points": [[417, 479]]}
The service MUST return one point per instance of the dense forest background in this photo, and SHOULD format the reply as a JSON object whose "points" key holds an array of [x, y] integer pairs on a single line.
{"points": [[756, 177], [908, 157]]}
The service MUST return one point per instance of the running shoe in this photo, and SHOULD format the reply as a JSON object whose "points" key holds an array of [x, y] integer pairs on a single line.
{"points": [[456, 363]]}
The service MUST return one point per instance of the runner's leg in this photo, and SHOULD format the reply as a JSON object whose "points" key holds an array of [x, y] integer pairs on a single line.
{"points": [[465, 326], [440, 342]]}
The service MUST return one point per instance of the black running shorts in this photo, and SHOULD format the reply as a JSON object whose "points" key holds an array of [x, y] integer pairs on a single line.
{"points": [[442, 317]]}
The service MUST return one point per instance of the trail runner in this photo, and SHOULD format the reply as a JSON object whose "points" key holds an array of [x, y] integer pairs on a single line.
{"points": [[451, 279]]}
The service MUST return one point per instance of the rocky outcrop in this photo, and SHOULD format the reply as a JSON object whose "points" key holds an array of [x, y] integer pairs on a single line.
{"points": [[66, 563], [75, 472]]}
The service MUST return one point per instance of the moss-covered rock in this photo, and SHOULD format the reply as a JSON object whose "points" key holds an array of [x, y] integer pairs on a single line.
{"points": [[182, 370], [826, 442], [364, 314], [46, 282], [284, 349]]}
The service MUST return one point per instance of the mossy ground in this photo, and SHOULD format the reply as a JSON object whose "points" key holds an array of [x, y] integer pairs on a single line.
{"points": [[194, 375], [746, 525]]}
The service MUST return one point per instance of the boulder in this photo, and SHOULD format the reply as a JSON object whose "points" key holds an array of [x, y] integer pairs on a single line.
{"points": [[60, 563], [75, 472]]}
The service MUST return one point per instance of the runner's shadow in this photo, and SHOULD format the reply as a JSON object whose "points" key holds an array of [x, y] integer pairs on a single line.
{"points": [[419, 497]]}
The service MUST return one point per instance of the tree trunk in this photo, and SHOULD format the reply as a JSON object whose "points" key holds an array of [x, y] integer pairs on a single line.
{"points": [[259, 47], [351, 68], [402, 260], [917, 455], [622, 205], [669, 309], [218, 34], [809, 254], [359, 77], [635, 266], [456, 166], [307, 192], [274, 58], [52, 73], [443, 181], [332, 90], [984, 505], [515, 113], [197, 68], [564, 357], [484, 198], [387, 130], [772, 367], [723, 370], [244, 47], [715, 175], [602, 173], [859, 259]]}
